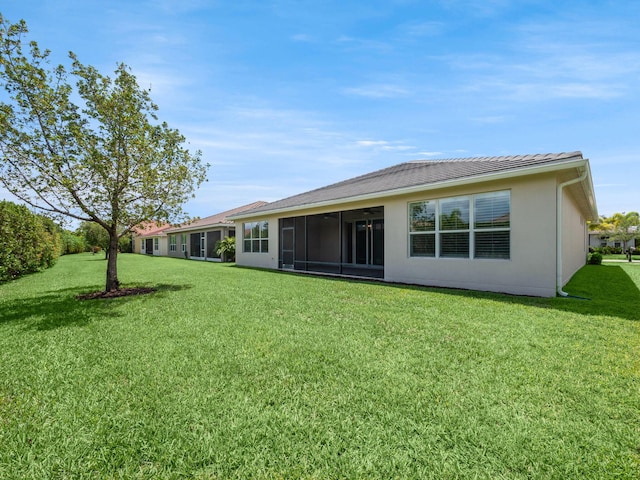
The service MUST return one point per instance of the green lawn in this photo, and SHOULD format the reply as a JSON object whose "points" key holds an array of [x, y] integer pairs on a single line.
{"points": [[228, 372], [620, 256]]}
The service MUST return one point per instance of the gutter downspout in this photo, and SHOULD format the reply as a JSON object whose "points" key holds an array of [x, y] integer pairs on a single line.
{"points": [[559, 231]]}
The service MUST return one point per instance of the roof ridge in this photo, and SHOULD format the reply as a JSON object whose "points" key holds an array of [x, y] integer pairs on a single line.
{"points": [[410, 174], [541, 156]]}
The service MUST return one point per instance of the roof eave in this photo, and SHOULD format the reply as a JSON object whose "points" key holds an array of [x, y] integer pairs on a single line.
{"points": [[192, 228], [532, 170]]}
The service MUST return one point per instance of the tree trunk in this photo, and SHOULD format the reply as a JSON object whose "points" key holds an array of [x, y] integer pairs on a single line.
{"points": [[112, 264]]}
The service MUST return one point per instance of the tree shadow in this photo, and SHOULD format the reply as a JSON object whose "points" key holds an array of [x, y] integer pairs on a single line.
{"points": [[54, 310], [61, 308]]}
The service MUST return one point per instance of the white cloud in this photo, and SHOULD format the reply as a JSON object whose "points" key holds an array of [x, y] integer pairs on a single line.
{"points": [[378, 91], [429, 154], [423, 29]]}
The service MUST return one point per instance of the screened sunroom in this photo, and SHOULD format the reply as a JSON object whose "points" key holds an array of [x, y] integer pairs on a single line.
{"points": [[349, 242]]}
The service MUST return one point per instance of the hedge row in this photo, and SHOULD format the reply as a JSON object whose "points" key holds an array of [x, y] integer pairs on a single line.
{"points": [[613, 250], [28, 242]]}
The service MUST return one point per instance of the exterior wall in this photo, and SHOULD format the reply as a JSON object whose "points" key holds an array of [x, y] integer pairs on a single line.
{"points": [[136, 244], [574, 237], [139, 245], [259, 260], [596, 241], [178, 253], [529, 271], [163, 246]]}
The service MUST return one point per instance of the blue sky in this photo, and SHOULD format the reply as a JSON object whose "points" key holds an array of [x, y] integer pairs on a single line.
{"points": [[285, 96]]}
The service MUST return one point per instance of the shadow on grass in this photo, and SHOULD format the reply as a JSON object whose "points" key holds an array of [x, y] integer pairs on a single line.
{"points": [[611, 291], [61, 308], [594, 289]]}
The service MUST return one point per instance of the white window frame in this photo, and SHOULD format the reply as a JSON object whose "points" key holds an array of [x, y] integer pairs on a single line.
{"points": [[183, 242], [172, 243], [472, 231], [496, 229], [441, 231], [252, 243]]}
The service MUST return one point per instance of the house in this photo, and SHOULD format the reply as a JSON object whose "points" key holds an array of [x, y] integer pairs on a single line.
{"points": [[150, 239], [198, 239], [513, 224], [599, 238]]}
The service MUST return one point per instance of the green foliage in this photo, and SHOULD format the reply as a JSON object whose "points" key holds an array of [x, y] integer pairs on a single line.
{"points": [[106, 160], [73, 243], [28, 242], [233, 373], [124, 243], [227, 248], [594, 258], [94, 235], [620, 226]]}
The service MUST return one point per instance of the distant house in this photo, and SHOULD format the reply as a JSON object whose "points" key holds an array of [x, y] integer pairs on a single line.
{"points": [[606, 239], [150, 239], [197, 240], [513, 224]]}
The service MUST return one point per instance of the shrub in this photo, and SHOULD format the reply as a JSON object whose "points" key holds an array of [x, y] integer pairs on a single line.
{"points": [[28, 242], [72, 243], [594, 258], [227, 249]]}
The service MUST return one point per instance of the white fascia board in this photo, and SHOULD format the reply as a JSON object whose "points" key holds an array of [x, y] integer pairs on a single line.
{"points": [[590, 193], [571, 163]]}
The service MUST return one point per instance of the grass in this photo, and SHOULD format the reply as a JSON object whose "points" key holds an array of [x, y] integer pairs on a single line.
{"points": [[620, 256], [236, 373]]}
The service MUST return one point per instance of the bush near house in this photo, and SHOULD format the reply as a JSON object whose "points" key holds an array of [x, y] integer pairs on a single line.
{"points": [[594, 258], [227, 249], [28, 242]]}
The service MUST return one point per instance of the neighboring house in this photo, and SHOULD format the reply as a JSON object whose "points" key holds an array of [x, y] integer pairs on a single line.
{"points": [[607, 239], [515, 224], [198, 239], [150, 239]]}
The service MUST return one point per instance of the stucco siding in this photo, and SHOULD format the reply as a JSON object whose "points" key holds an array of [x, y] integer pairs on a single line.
{"points": [[258, 260], [529, 271], [574, 237]]}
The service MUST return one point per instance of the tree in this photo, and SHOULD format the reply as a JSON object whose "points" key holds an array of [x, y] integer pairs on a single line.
{"points": [[109, 161], [626, 227], [94, 235]]}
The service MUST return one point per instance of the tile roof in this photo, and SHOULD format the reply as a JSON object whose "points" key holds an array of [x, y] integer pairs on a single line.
{"points": [[148, 229], [417, 173], [216, 219]]}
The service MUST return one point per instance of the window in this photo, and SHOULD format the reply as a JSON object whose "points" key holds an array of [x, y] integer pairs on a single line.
{"points": [[492, 222], [256, 237], [156, 243], [460, 227], [183, 243], [422, 229], [172, 243], [454, 227]]}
